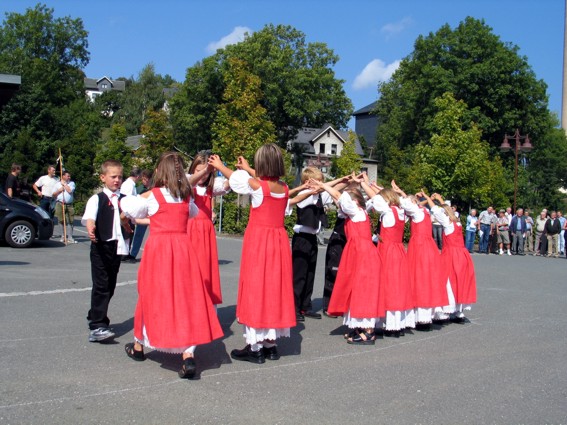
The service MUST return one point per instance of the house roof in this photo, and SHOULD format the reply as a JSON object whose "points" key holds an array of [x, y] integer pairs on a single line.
{"points": [[9, 85], [366, 110], [92, 84], [307, 136]]}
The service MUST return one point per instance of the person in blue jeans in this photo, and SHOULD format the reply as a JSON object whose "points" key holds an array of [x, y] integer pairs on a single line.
{"points": [[472, 226], [485, 219], [141, 224]]}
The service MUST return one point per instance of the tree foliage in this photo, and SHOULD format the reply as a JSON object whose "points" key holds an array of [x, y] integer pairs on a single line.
{"points": [[241, 125], [456, 162], [296, 78], [114, 146], [348, 161], [157, 139]]}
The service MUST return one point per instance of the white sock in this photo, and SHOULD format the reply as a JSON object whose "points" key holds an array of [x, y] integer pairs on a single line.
{"points": [[255, 347]]}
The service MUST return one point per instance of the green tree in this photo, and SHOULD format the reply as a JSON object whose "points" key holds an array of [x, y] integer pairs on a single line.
{"points": [[157, 139], [114, 146], [296, 78], [241, 125], [456, 162], [348, 161]]}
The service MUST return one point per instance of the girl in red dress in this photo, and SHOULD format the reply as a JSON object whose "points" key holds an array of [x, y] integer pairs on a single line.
{"points": [[356, 294], [200, 228], [174, 312], [265, 304], [394, 274], [424, 263], [457, 265]]}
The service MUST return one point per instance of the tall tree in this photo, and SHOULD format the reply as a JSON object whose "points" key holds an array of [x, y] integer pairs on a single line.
{"points": [[456, 162], [113, 146], [157, 139], [296, 78], [241, 125], [348, 161]]}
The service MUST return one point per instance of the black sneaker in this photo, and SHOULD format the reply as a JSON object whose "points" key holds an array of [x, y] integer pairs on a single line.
{"points": [[247, 355]]}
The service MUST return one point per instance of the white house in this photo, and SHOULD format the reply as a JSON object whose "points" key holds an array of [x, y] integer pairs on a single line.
{"points": [[94, 88], [321, 145]]}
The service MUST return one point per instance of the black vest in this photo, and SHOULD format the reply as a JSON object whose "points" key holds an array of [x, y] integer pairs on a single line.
{"points": [[311, 214], [105, 218]]}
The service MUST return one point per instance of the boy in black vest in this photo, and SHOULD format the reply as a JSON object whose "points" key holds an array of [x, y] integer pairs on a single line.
{"points": [[304, 245], [103, 221]]}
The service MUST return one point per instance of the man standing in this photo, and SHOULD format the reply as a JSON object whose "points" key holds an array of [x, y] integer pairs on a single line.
{"points": [[486, 218], [128, 187], [140, 230], [518, 231], [539, 229], [47, 184], [562, 220], [12, 186], [503, 233], [63, 192], [472, 226], [529, 233], [552, 230]]}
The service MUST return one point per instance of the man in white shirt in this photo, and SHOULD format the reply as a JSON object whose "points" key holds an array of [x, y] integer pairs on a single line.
{"points": [[46, 184], [64, 210], [128, 187]]}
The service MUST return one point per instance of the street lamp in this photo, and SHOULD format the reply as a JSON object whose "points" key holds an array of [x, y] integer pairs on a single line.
{"points": [[518, 147]]}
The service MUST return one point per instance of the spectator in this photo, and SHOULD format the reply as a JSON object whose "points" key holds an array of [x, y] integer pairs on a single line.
{"points": [[518, 231], [12, 186], [141, 224], [539, 229], [552, 230], [63, 192], [562, 220], [472, 226], [47, 184], [437, 232], [128, 187], [529, 240], [502, 233], [486, 217]]}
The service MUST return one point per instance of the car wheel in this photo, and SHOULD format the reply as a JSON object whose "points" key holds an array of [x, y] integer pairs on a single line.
{"points": [[20, 234]]}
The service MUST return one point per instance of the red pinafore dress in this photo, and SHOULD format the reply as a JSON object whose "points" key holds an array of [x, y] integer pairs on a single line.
{"points": [[394, 274], [174, 307], [265, 287], [458, 267], [424, 265], [357, 287], [204, 245]]}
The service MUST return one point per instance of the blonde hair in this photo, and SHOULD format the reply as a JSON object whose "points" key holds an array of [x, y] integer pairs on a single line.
{"points": [[391, 197], [357, 196], [169, 173], [268, 161], [311, 173], [110, 163], [449, 211], [202, 158]]}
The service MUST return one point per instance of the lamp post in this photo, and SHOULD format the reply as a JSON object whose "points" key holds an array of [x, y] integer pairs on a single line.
{"points": [[526, 146]]}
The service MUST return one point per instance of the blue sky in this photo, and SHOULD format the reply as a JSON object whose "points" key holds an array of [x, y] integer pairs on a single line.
{"points": [[369, 36]]}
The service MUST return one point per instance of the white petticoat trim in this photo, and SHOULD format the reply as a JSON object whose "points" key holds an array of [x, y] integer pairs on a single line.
{"points": [[257, 335], [449, 309], [178, 350], [354, 322], [423, 315], [398, 320]]}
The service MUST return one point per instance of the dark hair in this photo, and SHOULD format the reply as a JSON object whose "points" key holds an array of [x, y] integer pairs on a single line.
{"points": [[169, 173], [135, 172], [268, 161], [201, 158], [16, 167]]}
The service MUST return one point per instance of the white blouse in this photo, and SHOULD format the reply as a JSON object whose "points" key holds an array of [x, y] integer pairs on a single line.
{"points": [[387, 213], [240, 182], [218, 187], [350, 208], [140, 207], [413, 210], [443, 219]]}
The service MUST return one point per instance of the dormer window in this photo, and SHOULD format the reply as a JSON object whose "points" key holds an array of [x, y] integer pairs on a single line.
{"points": [[104, 85], [322, 148]]}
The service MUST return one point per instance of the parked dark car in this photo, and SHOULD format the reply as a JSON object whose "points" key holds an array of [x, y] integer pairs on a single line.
{"points": [[22, 222]]}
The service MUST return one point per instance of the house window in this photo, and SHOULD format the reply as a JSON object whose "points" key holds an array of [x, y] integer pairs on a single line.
{"points": [[333, 149], [322, 148], [104, 85], [323, 169]]}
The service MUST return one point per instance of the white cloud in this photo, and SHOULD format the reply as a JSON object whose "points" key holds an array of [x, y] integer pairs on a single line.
{"points": [[373, 73], [395, 28], [236, 36]]}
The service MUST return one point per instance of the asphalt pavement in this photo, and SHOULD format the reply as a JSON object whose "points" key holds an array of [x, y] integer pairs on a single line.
{"points": [[506, 365]]}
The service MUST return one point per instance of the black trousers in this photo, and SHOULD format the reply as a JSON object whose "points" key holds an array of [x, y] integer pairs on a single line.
{"points": [[105, 264], [304, 260], [335, 248]]}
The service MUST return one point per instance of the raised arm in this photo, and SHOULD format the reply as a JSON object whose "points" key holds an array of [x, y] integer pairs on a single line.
{"points": [[242, 164], [215, 161], [195, 177]]}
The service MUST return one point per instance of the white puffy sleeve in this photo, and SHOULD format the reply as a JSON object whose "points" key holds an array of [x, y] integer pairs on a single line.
{"points": [[134, 206], [443, 219], [351, 208], [387, 215], [417, 214], [219, 186], [239, 182]]}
